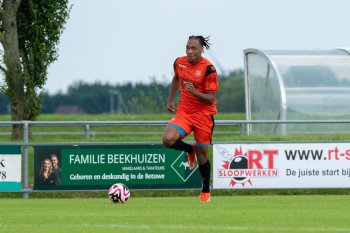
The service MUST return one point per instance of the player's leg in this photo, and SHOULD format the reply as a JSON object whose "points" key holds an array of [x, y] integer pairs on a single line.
{"points": [[204, 169], [172, 139], [203, 133], [177, 129], [170, 136]]}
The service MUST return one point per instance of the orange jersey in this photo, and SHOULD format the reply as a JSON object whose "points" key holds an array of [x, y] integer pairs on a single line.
{"points": [[204, 78]]}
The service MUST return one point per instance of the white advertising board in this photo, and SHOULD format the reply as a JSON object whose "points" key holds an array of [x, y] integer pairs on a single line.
{"points": [[10, 168], [281, 165]]}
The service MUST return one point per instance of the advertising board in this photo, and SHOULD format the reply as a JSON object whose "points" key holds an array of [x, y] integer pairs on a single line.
{"points": [[281, 165], [98, 167], [10, 168]]}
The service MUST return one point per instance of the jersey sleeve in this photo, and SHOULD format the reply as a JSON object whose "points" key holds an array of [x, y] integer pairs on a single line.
{"points": [[175, 68], [211, 79]]}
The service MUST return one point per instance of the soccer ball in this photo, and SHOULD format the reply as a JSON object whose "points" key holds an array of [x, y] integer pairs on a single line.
{"points": [[119, 193]]}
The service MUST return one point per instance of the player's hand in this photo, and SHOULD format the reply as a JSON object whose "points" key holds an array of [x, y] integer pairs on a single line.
{"points": [[171, 106], [189, 87]]}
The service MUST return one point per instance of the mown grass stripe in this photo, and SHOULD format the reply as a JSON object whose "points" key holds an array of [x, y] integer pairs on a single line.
{"points": [[176, 227]]}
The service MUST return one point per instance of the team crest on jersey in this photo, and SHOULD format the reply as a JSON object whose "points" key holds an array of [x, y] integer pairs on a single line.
{"points": [[198, 73]]}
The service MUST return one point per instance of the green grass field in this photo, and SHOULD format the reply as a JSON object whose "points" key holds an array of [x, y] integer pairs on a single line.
{"points": [[178, 214]]}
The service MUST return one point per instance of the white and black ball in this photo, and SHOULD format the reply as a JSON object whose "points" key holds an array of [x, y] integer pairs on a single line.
{"points": [[119, 193]]}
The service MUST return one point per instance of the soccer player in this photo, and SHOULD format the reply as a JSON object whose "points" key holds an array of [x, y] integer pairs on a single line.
{"points": [[197, 79]]}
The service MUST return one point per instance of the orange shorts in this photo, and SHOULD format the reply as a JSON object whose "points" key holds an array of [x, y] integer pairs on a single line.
{"points": [[201, 125]]}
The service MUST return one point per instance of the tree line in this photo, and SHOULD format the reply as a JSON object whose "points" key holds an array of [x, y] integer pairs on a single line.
{"points": [[138, 98]]}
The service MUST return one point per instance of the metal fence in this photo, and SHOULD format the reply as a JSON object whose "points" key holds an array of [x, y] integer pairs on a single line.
{"points": [[87, 124], [93, 133]]}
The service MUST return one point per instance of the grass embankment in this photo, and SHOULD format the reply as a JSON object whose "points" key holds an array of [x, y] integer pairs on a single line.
{"points": [[153, 138], [178, 214]]}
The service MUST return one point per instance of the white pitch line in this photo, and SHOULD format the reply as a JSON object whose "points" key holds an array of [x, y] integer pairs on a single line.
{"points": [[178, 227]]}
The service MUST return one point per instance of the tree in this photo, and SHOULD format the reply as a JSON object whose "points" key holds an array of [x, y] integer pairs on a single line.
{"points": [[29, 33]]}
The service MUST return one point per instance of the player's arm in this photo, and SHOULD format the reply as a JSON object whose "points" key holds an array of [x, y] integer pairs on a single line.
{"points": [[208, 97], [173, 89], [210, 87]]}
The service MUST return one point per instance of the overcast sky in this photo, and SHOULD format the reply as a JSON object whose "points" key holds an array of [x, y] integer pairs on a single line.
{"points": [[128, 41]]}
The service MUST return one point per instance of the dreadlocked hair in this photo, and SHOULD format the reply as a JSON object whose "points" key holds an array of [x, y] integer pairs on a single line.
{"points": [[204, 41]]}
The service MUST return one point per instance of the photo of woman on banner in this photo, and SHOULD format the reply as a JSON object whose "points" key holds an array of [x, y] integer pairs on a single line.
{"points": [[46, 176], [52, 157]]}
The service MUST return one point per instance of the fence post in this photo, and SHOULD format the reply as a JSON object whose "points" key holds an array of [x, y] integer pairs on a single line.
{"points": [[25, 160], [242, 128], [87, 128]]}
